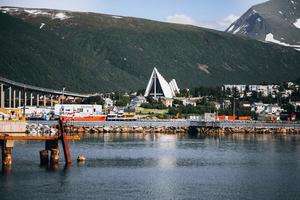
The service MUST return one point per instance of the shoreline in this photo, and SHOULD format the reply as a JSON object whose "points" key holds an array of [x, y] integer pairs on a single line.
{"points": [[183, 130]]}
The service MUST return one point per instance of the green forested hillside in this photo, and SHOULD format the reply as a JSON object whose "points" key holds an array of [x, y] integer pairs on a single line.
{"points": [[90, 52]]}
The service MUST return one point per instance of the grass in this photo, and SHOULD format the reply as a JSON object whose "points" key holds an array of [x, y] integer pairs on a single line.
{"points": [[145, 111]]}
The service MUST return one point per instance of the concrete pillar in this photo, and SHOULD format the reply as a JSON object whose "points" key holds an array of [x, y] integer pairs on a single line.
{"points": [[51, 101], [14, 98], [25, 98], [31, 99], [37, 100], [20, 98], [45, 101], [7, 156], [2, 96], [9, 97]]}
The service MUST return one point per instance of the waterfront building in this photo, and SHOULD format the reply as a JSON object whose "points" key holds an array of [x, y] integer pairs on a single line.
{"points": [[168, 102], [158, 86], [108, 103], [137, 101]]}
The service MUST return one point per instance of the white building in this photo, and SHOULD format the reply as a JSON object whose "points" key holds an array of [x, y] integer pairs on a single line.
{"points": [[258, 107], [273, 109], [265, 90], [240, 88], [108, 103], [159, 87], [137, 101]]}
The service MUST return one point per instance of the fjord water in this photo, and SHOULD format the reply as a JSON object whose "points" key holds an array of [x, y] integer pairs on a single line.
{"points": [[126, 166]]}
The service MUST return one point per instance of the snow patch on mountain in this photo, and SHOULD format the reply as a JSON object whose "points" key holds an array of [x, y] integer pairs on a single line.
{"points": [[237, 30], [270, 38], [231, 28], [61, 16], [116, 17], [7, 10], [36, 12], [297, 23], [42, 25]]}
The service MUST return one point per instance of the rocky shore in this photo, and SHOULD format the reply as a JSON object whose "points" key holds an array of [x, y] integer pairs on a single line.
{"points": [[128, 129], [243, 130], [34, 129]]}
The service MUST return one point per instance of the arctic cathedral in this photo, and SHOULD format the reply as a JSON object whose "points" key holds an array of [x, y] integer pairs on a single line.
{"points": [[159, 87]]}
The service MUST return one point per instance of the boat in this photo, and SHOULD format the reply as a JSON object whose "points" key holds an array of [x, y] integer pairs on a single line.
{"points": [[80, 112], [83, 118]]}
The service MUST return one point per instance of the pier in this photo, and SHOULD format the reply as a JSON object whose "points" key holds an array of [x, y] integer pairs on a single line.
{"points": [[11, 131]]}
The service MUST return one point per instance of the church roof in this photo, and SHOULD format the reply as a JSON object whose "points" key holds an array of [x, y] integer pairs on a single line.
{"points": [[169, 89]]}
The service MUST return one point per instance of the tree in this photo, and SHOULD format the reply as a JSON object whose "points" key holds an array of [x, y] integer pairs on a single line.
{"points": [[94, 100], [228, 92], [235, 93], [123, 101]]}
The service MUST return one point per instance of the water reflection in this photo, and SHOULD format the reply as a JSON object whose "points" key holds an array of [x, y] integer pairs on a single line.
{"points": [[155, 166]]}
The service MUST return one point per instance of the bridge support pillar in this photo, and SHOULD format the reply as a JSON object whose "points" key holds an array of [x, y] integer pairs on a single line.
{"points": [[2, 96], [9, 97], [19, 98], [31, 99], [51, 101], [45, 101], [25, 98], [14, 98], [37, 100]]}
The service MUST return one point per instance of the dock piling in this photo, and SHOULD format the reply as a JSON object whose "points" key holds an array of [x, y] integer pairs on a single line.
{"points": [[44, 158], [54, 159], [7, 156]]}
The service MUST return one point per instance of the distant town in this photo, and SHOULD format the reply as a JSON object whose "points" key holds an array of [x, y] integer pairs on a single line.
{"points": [[162, 100]]}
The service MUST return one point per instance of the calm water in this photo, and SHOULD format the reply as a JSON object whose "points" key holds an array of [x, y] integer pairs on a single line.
{"points": [[161, 167]]}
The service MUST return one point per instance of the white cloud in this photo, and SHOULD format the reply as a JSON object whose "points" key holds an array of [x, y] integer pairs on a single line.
{"points": [[227, 21], [180, 19], [220, 24]]}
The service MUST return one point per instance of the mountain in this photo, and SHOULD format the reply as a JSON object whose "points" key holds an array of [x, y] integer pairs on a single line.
{"points": [[276, 21], [89, 52]]}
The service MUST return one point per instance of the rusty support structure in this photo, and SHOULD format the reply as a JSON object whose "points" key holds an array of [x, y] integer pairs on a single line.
{"points": [[65, 143]]}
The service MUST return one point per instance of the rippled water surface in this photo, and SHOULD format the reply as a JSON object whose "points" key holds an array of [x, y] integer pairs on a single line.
{"points": [[161, 167]]}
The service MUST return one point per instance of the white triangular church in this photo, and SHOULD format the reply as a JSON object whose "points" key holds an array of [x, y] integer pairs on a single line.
{"points": [[159, 87]]}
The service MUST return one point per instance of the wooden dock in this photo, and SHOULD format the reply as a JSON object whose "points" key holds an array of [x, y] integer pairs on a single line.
{"points": [[11, 131]]}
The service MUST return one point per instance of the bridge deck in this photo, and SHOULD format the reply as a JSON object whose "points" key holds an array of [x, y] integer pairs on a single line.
{"points": [[40, 89]]}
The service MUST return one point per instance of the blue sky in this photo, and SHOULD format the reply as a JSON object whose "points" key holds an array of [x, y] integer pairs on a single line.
{"points": [[216, 14]]}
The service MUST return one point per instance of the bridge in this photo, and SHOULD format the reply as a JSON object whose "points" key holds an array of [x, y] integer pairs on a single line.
{"points": [[15, 94]]}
